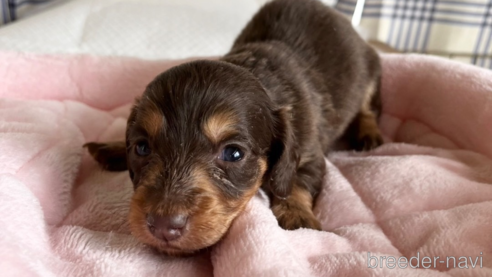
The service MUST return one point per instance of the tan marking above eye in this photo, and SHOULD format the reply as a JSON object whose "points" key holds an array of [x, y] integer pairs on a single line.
{"points": [[219, 125], [152, 119]]}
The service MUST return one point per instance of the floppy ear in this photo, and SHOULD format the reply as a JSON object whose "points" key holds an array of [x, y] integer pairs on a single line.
{"points": [[110, 155], [283, 157]]}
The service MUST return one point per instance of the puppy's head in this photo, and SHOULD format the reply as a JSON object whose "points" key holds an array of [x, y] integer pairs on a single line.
{"points": [[199, 143]]}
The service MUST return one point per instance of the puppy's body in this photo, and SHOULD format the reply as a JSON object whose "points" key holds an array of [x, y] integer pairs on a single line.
{"points": [[309, 57], [207, 134], [310, 60]]}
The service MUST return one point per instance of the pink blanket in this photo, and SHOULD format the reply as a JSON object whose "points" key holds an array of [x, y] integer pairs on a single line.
{"points": [[423, 199]]}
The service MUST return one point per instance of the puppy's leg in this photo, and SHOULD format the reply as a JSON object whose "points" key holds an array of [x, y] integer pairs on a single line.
{"points": [[110, 155], [297, 210], [363, 133]]}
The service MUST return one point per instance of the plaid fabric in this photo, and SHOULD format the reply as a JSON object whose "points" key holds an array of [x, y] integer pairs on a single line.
{"points": [[460, 30], [11, 10]]}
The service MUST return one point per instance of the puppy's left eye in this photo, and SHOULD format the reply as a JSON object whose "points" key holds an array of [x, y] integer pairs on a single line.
{"points": [[231, 154], [142, 148]]}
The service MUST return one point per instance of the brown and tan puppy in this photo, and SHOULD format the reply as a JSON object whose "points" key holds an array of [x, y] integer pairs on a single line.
{"points": [[206, 135]]}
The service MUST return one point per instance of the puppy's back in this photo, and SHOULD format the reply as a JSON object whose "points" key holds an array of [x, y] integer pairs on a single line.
{"points": [[323, 38]]}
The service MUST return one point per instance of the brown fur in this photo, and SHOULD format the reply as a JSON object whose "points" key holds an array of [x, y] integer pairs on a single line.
{"points": [[296, 211], [110, 155], [297, 80], [211, 216], [219, 126], [153, 121]]}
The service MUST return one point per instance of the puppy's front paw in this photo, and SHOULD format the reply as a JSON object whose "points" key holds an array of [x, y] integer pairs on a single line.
{"points": [[364, 132], [369, 141], [292, 218]]}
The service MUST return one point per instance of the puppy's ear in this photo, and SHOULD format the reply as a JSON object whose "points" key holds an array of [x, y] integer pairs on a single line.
{"points": [[283, 157], [110, 155]]}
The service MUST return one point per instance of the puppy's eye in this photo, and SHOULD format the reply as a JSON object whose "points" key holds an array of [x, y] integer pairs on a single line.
{"points": [[142, 149], [231, 154]]}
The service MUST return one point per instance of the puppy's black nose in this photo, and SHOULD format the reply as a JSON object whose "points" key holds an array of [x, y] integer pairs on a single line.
{"points": [[168, 227]]}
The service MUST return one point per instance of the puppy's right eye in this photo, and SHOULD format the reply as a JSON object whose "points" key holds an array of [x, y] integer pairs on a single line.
{"points": [[231, 154], [142, 149]]}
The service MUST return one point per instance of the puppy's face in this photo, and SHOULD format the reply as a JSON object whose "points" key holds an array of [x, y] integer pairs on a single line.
{"points": [[197, 144]]}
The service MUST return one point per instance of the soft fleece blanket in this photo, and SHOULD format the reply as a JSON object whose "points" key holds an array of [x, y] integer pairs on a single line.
{"points": [[426, 193]]}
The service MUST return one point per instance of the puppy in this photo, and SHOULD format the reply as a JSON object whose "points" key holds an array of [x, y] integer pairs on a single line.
{"points": [[206, 135]]}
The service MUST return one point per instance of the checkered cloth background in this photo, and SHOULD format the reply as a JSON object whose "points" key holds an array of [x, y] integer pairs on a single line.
{"points": [[460, 30], [457, 29]]}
